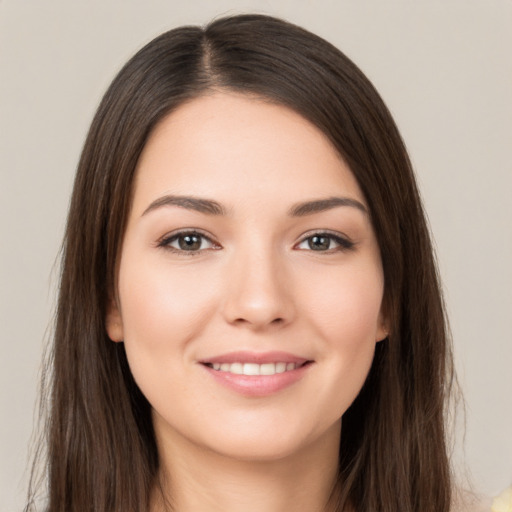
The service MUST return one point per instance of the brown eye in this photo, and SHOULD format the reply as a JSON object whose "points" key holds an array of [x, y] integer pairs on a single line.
{"points": [[325, 242], [189, 241], [319, 242]]}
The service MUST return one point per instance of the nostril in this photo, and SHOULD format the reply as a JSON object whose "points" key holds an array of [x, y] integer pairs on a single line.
{"points": [[275, 321]]}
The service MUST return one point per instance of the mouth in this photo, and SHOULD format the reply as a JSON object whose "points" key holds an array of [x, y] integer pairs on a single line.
{"points": [[257, 374], [253, 369]]}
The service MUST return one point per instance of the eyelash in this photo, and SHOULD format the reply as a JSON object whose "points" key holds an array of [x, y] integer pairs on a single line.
{"points": [[344, 244], [165, 242]]}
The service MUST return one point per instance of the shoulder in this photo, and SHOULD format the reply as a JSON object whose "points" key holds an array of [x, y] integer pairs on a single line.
{"points": [[466, 501], [503, 502]]}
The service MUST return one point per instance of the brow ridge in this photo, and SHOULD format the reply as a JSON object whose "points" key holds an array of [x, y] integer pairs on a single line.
{"points": [[321, 205], [207, 206], [211, 207]]}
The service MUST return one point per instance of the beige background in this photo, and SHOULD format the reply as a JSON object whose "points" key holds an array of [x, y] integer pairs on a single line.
{"points": [[444, 67]]}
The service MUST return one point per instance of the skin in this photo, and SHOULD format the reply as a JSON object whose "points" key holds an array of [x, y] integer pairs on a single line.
{"points": [[253, 284]]}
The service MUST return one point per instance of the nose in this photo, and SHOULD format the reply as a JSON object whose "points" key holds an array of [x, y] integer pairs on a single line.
{"points": [[258, 295]]}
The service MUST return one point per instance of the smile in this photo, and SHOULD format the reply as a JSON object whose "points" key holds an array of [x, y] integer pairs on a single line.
{"points": [[254, 374], [254, 368]]}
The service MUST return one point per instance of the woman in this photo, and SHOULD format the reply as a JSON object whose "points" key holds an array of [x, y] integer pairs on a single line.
{"points": [[249, 315]]}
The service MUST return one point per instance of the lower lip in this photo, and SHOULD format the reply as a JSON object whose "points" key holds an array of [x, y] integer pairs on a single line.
{"points": [[258, 385]]}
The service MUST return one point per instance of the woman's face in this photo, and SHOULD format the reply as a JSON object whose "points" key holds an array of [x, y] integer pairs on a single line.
{"points": [[250, 281]]}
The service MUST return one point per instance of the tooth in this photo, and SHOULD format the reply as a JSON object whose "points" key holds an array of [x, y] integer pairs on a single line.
{"points": [[268, 369], [280, 367], [251, 369], [237, 368], [254, 368]]}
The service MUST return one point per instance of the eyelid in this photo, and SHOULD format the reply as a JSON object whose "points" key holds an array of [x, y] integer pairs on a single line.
{"points": [[164, 241], [344, 242]]}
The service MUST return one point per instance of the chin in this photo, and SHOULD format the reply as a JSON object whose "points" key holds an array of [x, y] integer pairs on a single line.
{"points": [[269, 444], [259, 450]]}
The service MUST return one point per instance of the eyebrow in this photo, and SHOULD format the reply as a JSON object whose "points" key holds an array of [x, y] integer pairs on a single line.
{"points": [[321, 205], [211, 207], [207, 206]]}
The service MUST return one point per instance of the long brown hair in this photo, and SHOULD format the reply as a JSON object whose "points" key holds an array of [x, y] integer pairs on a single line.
{"points": [[101, 449]]}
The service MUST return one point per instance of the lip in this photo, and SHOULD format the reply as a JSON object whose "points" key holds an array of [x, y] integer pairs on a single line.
{"points": [[257, 385], [243, 356]]}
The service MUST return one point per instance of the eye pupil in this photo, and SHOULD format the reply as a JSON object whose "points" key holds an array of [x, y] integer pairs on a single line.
{"points": [[319, 243], [189, 242]]}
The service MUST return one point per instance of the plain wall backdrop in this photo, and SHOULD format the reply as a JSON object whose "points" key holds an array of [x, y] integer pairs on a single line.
{"points": [[444, 68]]}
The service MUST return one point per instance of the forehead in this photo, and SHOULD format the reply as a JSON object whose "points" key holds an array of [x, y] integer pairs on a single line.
{"points": [[237, 148]]}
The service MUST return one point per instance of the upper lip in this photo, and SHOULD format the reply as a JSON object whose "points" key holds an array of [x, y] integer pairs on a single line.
{"points": [[256, 357]]}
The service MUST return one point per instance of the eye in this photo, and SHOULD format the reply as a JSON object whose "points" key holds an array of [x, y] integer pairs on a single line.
{"points": [[187, 241], [325, 242]]}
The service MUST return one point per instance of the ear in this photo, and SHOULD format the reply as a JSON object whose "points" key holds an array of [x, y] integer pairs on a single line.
{"points": [[383, 328], [114, 322]]}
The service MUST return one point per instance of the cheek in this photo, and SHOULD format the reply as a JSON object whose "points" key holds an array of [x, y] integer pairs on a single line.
{"points": [[162, 309], [345, 312], [345, 305]]}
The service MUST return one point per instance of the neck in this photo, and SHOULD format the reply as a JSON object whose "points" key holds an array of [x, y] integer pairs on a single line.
{"points": [[194, 478]]}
